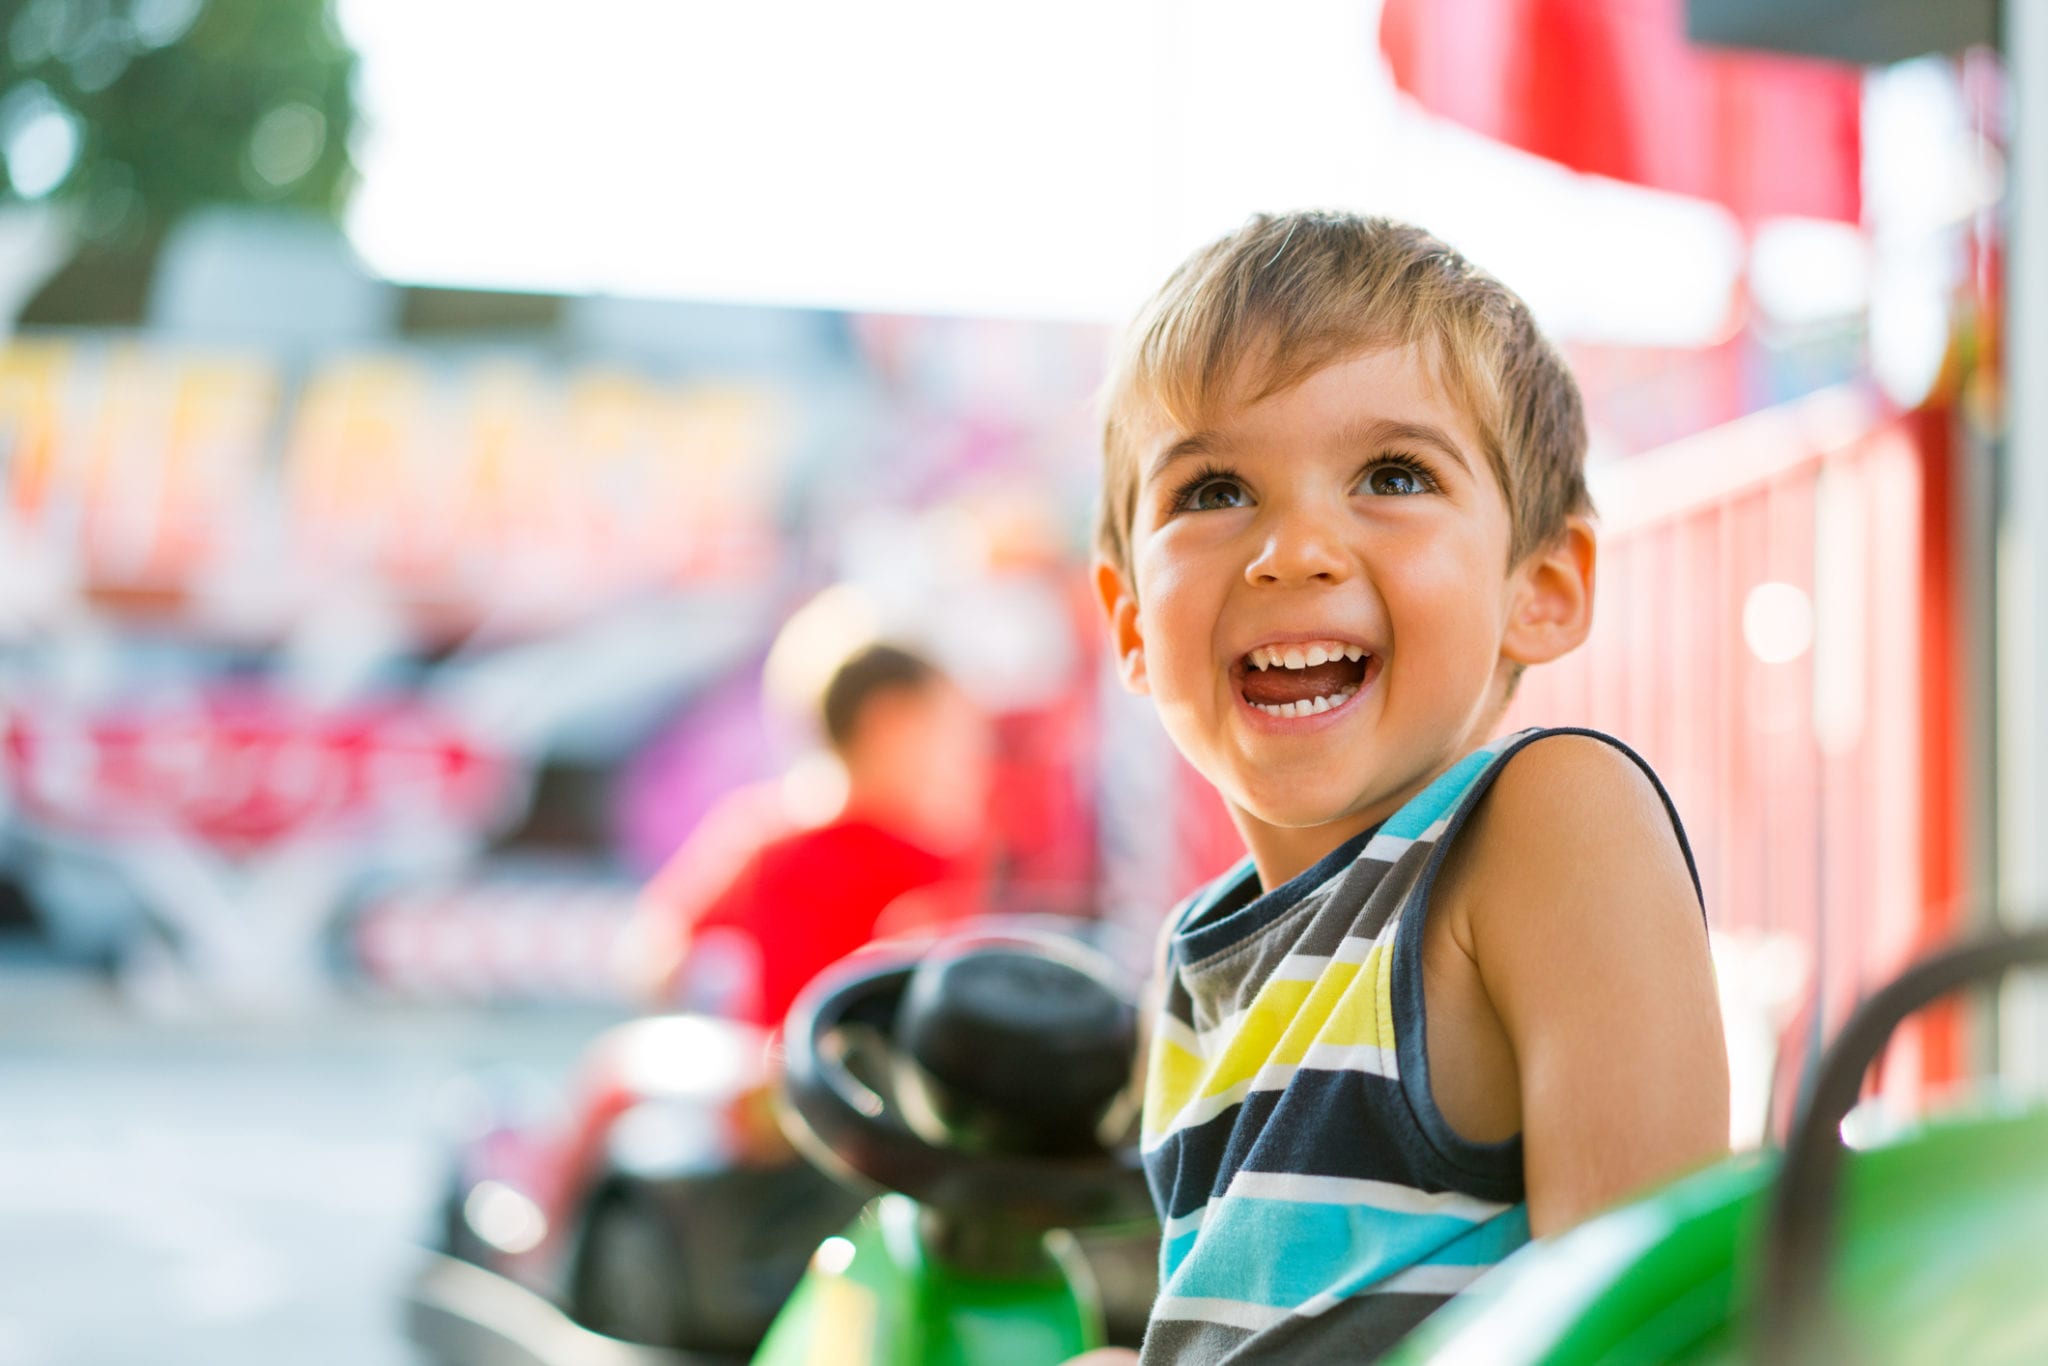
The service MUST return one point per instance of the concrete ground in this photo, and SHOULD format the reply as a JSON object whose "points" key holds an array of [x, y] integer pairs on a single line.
{"points": [[225, 1192]]}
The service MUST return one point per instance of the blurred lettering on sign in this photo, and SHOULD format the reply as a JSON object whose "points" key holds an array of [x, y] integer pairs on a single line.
{"points": [[483, 491], [242, 769], [141, 464]]}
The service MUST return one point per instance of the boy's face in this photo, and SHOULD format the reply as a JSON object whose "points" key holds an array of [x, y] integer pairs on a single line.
{"points": [[1352, 527]]}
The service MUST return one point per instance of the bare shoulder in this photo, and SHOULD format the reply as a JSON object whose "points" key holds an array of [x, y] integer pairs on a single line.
{"points": [[1558, 780], [1571, 820]]}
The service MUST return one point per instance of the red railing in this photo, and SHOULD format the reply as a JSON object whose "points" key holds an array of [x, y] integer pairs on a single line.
{"points": [[1759, 638]]}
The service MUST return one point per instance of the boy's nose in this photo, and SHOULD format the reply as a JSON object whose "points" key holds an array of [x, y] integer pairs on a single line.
{"points": [[1299, 549]]}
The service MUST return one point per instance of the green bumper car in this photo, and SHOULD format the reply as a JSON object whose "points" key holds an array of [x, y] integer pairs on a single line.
{"points": [[1929, 1247]]}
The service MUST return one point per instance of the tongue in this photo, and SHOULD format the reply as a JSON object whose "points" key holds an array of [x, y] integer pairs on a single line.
{"points": [[1271, 687]]}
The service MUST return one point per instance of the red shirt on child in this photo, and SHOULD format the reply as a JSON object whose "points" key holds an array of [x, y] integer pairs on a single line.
{"points": [[802, 901]]}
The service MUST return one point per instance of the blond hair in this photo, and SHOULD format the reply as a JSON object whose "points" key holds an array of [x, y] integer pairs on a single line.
{"points": [[1288, 294]]}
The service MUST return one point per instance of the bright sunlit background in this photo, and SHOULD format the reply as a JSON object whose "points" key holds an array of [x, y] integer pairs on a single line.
{"points": [[444, 446], [1049, 161]]}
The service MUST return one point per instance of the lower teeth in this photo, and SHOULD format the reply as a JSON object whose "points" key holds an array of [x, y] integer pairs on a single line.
{"points": [[1311, 707]]}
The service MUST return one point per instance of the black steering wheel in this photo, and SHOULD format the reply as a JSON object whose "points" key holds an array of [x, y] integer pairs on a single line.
{"points": [[987, 1076]]}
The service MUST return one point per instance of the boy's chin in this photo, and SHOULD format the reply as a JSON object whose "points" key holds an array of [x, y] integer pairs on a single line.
{"points": [[1292, 811]]}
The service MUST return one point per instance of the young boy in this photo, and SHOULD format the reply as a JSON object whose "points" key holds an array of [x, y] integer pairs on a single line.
{"points": [[1459, 994]]}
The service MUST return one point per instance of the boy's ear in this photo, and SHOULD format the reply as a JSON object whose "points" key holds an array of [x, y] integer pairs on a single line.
{"points": [[1120, 610], [1550, 610]]}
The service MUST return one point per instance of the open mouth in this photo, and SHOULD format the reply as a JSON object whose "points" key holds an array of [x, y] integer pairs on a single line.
{"points": [[1304, 679]]}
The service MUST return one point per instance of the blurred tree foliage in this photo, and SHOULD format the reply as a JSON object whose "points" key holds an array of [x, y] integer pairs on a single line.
{"points": [[123, 115]]}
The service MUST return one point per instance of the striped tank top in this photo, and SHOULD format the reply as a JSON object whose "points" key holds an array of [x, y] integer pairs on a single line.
{"points": [[1316, 1204]]}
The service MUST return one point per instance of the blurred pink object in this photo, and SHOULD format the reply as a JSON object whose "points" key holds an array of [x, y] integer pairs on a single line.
{"points": [[722, 742]]}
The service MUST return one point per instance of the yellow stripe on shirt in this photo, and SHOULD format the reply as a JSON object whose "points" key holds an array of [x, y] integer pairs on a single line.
{"points": [[1346, 1006]]}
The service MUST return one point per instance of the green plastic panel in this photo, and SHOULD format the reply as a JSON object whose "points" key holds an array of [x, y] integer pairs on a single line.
{"points": [[873, 1297], [1945, 1236]]}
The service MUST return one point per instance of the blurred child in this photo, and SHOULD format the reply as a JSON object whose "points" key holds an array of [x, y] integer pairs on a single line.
{"points": [[1459, 994], [758, 902]]}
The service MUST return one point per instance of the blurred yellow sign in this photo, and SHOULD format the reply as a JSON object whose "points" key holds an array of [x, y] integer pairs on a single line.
{"points": [[164, 472]]}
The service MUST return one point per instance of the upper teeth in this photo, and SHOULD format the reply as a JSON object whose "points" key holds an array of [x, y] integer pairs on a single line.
{"points": [[1303, 656]]}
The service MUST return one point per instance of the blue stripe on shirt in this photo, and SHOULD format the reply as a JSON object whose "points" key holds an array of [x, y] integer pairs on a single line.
{"points": [[1283, 1252], [1434, 802]]}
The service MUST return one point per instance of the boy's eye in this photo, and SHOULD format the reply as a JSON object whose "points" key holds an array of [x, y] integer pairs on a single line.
{"points": [[1213, 493], [1396, 479]]}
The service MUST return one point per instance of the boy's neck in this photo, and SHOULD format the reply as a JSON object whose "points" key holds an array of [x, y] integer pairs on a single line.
{"points": [[1280, 855]]}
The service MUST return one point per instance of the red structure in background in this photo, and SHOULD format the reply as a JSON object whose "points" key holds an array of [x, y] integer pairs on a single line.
{"points": [[1819, 781], [1612, 88], [1946, 804]]}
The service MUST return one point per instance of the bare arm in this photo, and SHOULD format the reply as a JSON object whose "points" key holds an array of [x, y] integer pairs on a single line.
{"points": [[1589, 942], [669, 908]]}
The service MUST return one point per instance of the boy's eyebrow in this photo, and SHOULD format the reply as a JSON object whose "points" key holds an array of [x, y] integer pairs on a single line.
{"points": [[1387, 431], [1194, 443], [1374, 435]]}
